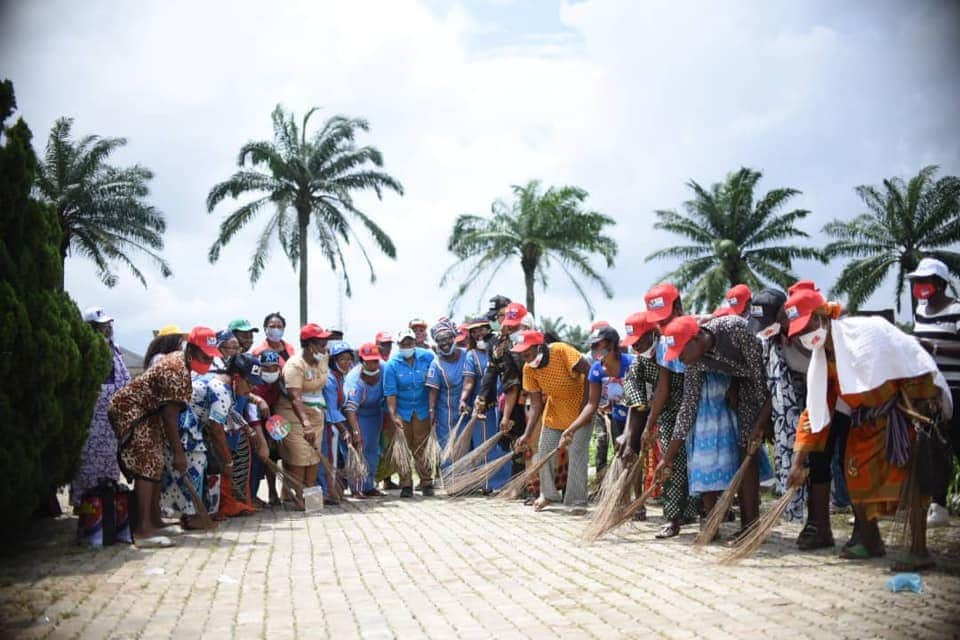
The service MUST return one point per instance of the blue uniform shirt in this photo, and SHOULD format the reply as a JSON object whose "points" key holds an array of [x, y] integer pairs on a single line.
{"points": [[408, 383]]}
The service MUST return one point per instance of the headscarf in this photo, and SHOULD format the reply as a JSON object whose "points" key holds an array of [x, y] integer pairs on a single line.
{"points": [[442, 327]]}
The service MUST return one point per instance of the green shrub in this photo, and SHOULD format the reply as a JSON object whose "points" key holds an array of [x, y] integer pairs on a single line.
{"points": [[51, 362]]}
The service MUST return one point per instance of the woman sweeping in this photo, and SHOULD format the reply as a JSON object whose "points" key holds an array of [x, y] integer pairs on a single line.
{"points": [[887, 379], [365, 409], [304, 376], [445, 379]]}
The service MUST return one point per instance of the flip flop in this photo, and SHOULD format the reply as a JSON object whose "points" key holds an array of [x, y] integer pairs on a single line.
{"points": [[540, 504], [155, 542]]}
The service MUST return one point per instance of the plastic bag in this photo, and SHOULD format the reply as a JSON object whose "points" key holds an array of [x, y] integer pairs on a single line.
{"points": [[905, 582]]}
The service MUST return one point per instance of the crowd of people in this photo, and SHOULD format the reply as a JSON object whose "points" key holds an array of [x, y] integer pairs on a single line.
{"points": [[695, 397]]}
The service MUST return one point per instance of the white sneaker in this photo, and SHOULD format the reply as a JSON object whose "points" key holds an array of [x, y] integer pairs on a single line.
{"points": [[937, 516]]}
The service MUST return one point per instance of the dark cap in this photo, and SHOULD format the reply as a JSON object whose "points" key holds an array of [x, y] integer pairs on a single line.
{"points": [[498, 302], [764, 307], [607, 333], [246, 366]]}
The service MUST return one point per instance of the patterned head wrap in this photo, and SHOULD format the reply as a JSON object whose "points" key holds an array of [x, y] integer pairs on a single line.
{"points": [[443, 326]]}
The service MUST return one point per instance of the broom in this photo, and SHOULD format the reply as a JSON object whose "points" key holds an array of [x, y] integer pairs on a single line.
{"points": [[333, 485], [613, 496], [206, 522], [513, 489], [464, 439], [398, 454], [356, 468], [288, 478], [627, 514], [429, 450], [725, 501], [899, 533], [447, 452], [757, 533], [469, 472]]}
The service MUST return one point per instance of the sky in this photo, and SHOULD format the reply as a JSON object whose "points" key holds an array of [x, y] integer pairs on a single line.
{"points": [[628, 100]]}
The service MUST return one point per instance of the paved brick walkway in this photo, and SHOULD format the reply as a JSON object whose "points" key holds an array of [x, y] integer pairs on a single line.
{"points": [[473, 568]]}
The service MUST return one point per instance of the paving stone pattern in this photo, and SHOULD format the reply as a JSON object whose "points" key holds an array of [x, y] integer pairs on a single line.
{"points": [[469, 568]]}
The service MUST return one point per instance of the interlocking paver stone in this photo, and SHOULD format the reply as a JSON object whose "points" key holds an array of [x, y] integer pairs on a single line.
{"points": [[472, 568]]}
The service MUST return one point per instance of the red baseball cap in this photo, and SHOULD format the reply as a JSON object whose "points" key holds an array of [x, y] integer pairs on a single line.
{"points": [[659, 301], [635, 327], [528, 339], [737, 298], [417, 322], [719, 312], [205, 339], [598, 325], [677, 334], [800, 306], [368, 351], [313, 331], [802, 284], [514, 314], [383, 336]]}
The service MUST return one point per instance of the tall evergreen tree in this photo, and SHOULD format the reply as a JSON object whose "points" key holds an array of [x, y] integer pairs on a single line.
{"points": [[52, 363]]}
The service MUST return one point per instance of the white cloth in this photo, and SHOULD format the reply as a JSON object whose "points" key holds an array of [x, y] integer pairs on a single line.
{"points": [[869, 351]]}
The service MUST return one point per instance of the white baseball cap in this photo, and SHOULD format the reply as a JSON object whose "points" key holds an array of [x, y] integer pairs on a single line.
{"points": [[96, 314], [930, 267]]}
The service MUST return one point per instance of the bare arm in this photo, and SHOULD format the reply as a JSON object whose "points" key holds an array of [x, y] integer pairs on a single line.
{"points": [[170, 414], [586, 413], [661, 393], [392, 410], [536, 413]]}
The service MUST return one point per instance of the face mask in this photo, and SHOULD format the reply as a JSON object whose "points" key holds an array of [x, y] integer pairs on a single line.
{"points": [[482, 345], [274, 334], [407, 353], [199, 367], [269, 377], [494, 326], [344, 371], [318, 358], [649, 352], [770, 331], [923, 291], [447, 351], [600, 354], [535, 363], [815, 339], [516, 338], [370, 372]]}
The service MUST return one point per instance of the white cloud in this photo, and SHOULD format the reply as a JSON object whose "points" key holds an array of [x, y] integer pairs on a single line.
{"points": [[630, 102]]}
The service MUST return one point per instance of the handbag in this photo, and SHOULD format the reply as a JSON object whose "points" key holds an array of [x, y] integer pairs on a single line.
{"points": [[933, 457]]}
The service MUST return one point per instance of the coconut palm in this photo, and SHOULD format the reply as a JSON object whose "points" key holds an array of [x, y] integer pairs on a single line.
{"points": [[735, 240], [101, 208], [906, 221], [304, 179], [539, 229]]}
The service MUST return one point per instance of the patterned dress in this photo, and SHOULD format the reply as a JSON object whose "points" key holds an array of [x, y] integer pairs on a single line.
{"points": [[98, 458], [788, 394], [135, 415]]}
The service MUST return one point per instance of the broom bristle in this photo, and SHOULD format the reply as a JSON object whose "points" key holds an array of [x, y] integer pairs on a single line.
{"points": [[475, 479], [333, 484], [447, 452], [719, 512], [398, 453], [474, 458], [634, 506], [613, 495], [288, 478], [356, 469], [757, 533], [464, 439], [513, 489], [429, 450]]}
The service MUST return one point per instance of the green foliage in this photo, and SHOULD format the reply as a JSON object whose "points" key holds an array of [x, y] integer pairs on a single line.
{"points": [[302, 180], [538, 228], [52, 362], [574, 335], [101, 208], [905, 222], [735, 240]]}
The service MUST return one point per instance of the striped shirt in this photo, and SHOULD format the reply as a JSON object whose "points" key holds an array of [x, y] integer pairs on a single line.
{"points": [[942, 328]]}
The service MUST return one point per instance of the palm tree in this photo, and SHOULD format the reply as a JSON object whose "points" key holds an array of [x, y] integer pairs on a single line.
{"points": [[905, 222], [735, 240], [538, 228], [101, 208], [306, 179]]}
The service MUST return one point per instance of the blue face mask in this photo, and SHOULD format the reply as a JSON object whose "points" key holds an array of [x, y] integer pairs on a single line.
{"points": [[274, 334], [494, 326], [407, 353]]}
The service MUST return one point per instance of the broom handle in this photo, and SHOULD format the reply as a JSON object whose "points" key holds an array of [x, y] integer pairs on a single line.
{"points": [[201, 508]]}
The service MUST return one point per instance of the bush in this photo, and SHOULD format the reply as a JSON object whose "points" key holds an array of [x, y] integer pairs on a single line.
{"points": [[52, 363]]}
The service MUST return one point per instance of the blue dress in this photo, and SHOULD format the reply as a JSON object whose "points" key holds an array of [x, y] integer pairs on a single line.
{"points": [[477, 361], [364, 396], [447, 378], [712, 451]]}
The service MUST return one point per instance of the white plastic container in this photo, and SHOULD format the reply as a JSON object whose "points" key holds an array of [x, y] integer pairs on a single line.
{"points": [[313, 499]]}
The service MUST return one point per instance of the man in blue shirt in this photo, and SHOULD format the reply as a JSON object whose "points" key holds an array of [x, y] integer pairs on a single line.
{"points": [[405, 389]]}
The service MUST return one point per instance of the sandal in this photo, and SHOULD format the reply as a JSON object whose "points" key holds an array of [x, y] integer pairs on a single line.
{"points": [[860, 551], [154, 542], [668, 530], [815, 539], [540, 504]]}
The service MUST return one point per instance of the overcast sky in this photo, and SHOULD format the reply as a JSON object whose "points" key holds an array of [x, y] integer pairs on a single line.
{"points": [[626, 99]]}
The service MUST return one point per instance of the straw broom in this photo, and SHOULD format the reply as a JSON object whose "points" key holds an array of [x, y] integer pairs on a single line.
{"points": [[356, 468], [900, 532], [513, 489], [468, 473], [725, 501], [447, 452], [398, 454], [428, 453], [288, 478], [634, 506], [758, 532], [464, 439], [333, 485], [206, 522], [614, 496]]}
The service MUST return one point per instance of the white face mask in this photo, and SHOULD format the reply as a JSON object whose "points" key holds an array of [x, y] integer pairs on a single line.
{"points": [[649, 352], [482, 345], [407, 353], [535, 363], [270, 377], [516, 338], [815, 339], [770, 331], [370, 372], [448, 351], [318, 358]]}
